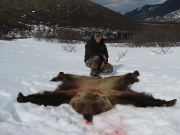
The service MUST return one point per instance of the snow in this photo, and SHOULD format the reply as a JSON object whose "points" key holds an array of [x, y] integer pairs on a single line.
{"points": [[27, 65], [175, 14]]}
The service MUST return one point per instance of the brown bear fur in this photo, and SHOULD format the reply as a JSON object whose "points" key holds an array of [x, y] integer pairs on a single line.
{"points": [[107, 84], [89, 96]]}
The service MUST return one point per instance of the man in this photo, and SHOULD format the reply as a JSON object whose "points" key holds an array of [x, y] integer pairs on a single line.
{"points": [[96, 55]]}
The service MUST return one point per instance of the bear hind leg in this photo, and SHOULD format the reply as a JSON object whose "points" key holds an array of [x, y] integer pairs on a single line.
{"points": [[33, 98]]}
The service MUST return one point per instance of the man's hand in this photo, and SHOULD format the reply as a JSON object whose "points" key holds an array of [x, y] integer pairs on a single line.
{"points": [[102, 65], [104, 57]]}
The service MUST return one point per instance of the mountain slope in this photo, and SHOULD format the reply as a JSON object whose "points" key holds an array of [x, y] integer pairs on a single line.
{"points": [[152, 11], [62, 13]]}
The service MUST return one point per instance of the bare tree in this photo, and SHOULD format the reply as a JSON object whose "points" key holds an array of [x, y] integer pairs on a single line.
{"points": [[69, 48], [163, 50], [163, 37], [120, 56]]}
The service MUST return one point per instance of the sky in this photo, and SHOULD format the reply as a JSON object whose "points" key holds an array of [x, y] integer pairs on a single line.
{"points": [[28, 65], [126, 5]]}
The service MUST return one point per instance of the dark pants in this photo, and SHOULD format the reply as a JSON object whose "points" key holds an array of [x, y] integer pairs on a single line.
{"points": [[94, 63]]}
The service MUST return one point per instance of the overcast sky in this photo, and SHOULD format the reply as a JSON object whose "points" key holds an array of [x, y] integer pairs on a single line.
{"points": [[126, 5]]}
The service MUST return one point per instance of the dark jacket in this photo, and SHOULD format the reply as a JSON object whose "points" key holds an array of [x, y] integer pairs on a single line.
{"points": [[94, 49]]}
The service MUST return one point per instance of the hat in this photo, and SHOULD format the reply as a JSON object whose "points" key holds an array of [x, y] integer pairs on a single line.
{"points": [[97, 33]]}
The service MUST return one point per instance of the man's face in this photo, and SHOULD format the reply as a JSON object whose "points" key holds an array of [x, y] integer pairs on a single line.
{"points": [[97, 37]]}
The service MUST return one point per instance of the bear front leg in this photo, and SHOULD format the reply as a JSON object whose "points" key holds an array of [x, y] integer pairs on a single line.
{"points": [[46, 98]]}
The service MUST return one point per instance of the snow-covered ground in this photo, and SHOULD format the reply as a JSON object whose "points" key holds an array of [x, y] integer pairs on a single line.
{"points": [[27, 66]]}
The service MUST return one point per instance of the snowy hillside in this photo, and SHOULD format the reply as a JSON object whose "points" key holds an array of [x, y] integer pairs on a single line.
{"points": [[27, 66], [175, 14], [22, 15], [155, 13]]}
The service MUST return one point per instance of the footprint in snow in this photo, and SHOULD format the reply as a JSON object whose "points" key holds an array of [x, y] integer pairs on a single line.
{"points": [[33, 90], [44, 84], [25, 83], [4, 93], [135, 65], [155, 67], [175, 67]]}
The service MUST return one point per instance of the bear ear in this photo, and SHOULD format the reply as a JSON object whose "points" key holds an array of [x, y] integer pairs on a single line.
{"points": [[57, 78], [61, 73], [136, 73], [53, 80]]}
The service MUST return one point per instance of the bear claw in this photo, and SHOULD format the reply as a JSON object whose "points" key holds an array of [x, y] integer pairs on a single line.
{"points": [[171, 102]]}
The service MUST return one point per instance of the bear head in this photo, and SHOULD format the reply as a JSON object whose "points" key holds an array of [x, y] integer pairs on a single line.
{"points": [[89, 104]]}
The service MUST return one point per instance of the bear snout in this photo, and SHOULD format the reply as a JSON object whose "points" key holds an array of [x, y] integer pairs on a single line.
{"points": [[88, 117]]}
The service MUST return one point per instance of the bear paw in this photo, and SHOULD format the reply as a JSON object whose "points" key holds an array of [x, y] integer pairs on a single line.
{"points": [[21, 98], [171, 102]]}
